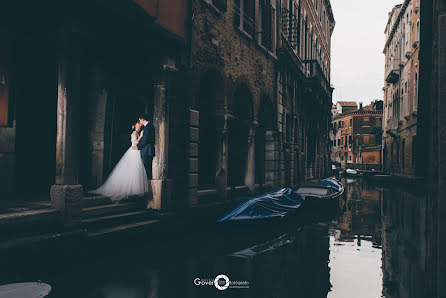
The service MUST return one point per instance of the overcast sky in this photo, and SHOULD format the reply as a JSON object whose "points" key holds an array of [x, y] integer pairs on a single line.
{"points": [[357, 61]]}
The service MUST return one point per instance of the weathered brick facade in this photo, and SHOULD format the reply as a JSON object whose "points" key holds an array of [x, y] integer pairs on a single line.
{"points": [[263, 90]]}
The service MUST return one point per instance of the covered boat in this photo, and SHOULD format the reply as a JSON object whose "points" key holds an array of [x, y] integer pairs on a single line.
{"points": [[25, 290], [284, 203], [352, 173], [322, 196], [274, 204]]}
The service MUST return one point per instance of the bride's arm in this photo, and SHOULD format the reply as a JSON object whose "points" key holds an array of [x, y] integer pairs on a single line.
{"points": [[140, 137]]}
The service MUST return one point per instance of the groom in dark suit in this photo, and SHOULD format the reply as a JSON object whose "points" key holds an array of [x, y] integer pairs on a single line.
{"points": [[147, 144]]}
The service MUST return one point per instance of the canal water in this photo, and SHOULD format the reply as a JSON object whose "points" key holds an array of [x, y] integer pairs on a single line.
{"points": [[374, 247]]}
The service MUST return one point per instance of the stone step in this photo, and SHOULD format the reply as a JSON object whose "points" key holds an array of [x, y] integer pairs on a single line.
{"points": [[131, 227], [92, 201], [24, 223], [27, 216], [39, 239], [101, 210], [115, 219]]}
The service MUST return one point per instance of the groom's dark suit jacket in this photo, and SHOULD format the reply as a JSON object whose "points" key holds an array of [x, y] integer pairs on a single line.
{"points": [[147, 143]]}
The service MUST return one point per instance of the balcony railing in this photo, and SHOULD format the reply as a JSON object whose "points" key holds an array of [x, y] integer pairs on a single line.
{"points": [[313, 70], [290, 28], [393, 71]]}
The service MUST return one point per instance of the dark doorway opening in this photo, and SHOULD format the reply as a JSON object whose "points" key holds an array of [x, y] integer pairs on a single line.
{"points": [[239, 134], [266, 123], [131, 95], [35, 96], [211, 95], [129, 68]]}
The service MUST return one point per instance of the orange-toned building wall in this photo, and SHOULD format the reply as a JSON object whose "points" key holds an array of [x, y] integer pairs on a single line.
{"points": [[170, 14]]}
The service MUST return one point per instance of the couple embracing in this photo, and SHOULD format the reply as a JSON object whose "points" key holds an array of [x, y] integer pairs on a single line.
{"points": [[130, 176]]}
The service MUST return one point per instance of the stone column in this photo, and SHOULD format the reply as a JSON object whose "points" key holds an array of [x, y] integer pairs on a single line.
{"points": [[161, 185], [66, 194], [250, 173], [221, 178]]}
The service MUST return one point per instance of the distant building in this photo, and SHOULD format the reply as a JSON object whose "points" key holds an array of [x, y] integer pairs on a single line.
{"points": [[356, 137], [345, 106], [401, 89]]}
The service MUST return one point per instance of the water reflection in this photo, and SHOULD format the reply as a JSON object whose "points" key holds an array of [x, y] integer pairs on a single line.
{"points": [[355, 243], [374, 248], [404, 243]]}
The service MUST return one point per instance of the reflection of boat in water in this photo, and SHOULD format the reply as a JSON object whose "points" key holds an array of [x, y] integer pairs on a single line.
{"points": [[289, 265], [256, 250], [25, 290], [352, 173], [286, 204], [350, 180]]}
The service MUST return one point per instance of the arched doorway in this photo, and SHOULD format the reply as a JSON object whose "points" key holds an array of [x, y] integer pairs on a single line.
{"points": [[211, 108], [239, 134], [35, 97], [266, 116]]}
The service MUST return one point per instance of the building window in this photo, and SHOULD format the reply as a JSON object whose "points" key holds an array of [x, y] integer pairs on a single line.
{"points": [[351, 122], [350, 157], [245, 18], [415, 95], [418, 31], [267, 13], [414, 150], [306, 38], [219, 4], [403, 152], [6, 109], [366, 139], [4, 100], [350, 140]]}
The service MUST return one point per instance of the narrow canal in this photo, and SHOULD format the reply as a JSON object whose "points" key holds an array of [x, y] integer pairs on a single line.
{"points": [[374, 248]]}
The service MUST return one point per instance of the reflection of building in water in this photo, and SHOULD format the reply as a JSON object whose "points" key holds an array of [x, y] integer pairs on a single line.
{"points": [[289, 266], [361, 214], [404, 251]]}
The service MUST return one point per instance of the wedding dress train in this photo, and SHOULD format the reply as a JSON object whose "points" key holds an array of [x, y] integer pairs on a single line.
{"points": [[128, 178]]}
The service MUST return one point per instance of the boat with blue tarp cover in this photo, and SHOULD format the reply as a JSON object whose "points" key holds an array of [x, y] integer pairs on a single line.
{"points": [[287, 204]]}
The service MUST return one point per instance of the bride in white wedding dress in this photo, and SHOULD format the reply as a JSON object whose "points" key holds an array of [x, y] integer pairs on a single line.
{"points": [[129, 177]]}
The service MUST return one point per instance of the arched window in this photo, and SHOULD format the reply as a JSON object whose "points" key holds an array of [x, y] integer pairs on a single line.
{"points": [[418, 31]]}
